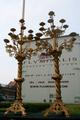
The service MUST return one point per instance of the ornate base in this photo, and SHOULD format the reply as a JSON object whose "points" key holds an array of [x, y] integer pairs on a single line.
{"points": [[17, 106], [57, 107]]}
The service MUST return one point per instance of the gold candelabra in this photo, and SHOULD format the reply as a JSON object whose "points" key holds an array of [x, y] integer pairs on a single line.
{"points": [[55, 51], [16, 47]]}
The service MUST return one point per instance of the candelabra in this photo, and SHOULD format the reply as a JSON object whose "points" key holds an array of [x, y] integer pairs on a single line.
{"points": [[16, 47], [55, 51]]}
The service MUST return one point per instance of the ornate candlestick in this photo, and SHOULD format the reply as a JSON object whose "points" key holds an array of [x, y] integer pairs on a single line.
{"points": [[55, 51]]}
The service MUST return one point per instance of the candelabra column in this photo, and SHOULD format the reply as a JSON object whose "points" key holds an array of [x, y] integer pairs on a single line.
{"points": [[17, 106], [58, 105], [57, 76], [19, 82]]}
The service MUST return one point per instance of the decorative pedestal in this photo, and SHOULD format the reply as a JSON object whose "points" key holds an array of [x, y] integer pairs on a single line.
{"points": [[57, 107], [16, 107]]}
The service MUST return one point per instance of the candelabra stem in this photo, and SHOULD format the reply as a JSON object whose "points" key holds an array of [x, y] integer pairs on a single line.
{"points": [[17, 106], [58, 105]]}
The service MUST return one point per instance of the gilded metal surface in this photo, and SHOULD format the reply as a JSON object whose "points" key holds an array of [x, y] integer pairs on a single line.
{"points": [[17, 106], [57, 107]]}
